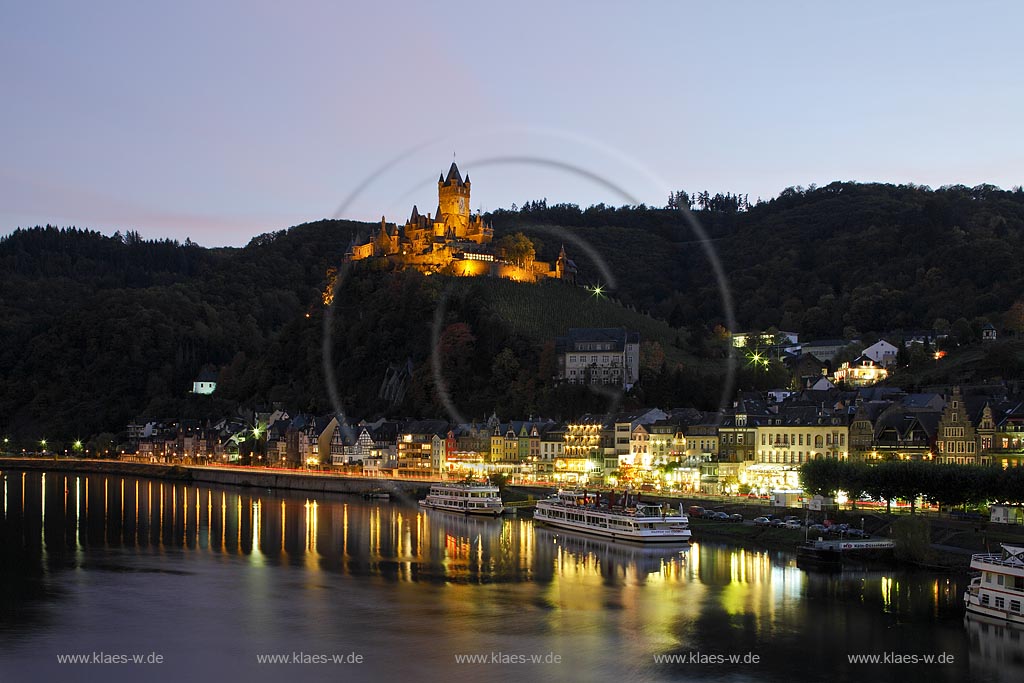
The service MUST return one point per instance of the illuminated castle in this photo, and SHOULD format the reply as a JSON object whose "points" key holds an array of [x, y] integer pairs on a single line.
{"points": [[452, 241]]}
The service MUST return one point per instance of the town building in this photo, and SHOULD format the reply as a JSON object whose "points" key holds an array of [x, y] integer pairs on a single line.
{"points": [[882, 352], [862, 371], [603, 356]]}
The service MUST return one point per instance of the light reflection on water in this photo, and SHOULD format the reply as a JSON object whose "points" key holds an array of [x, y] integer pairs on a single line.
{"points": [[210, 576]]}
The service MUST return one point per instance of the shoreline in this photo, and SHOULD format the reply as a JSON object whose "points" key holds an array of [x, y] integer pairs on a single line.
{"points": [[944, 556], [225, 476]]}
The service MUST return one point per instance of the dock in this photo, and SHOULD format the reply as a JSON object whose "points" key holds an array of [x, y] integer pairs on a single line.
{"points": [[836, 552]]}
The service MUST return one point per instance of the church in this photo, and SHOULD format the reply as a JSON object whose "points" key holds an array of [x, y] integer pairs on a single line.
{"points": [[451, 241]]}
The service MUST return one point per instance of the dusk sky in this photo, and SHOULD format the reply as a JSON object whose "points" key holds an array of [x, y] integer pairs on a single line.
{"points": [[222, 120]]}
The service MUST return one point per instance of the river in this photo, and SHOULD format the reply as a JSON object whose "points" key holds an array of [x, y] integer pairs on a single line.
{"points": [[216, 581]]}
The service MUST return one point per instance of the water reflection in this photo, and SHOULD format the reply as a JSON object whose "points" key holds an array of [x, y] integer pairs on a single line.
{"points": [[291, 571], [996, 649]]}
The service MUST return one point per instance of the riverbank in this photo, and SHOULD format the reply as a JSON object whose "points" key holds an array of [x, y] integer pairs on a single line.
{"points": [[225, 476], [942, 543]]}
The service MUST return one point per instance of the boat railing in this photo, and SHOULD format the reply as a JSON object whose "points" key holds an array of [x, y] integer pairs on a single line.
{"points": [[997, 559]]}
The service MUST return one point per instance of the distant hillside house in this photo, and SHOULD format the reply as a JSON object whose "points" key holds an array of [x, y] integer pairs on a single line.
{"points": [[206, 383], [825, 349], [599, 355], [781, 338], [860, 372], [881, 352]]}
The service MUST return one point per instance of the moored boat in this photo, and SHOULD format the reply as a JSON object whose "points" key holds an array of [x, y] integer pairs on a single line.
{"points": [[998, 593], [625, 519], [834, 553], [468, 498]]}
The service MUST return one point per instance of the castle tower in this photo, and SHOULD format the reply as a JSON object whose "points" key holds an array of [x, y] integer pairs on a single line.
{"points": [[453, 201], [565, 267]]}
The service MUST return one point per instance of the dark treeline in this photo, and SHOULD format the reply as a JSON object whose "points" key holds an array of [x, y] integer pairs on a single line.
{"points": [[947, 485], [818, 260]]}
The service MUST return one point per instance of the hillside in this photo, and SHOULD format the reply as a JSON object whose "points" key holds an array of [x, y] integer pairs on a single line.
{"points": [[97, 330], [863, 257]]}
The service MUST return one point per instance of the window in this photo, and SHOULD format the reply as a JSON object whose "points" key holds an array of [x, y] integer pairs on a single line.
{"points": [[1000, 603], [1015, 605], [818, 441], [984, 598]]}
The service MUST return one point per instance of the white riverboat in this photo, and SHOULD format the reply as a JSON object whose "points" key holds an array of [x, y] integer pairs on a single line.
{"points": [[471, 499], [999, 592], [622, 519]]}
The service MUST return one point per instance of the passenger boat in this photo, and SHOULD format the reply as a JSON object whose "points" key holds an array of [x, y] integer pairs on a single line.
{"points": [[625, 519], [999, 592], [468, 498]]}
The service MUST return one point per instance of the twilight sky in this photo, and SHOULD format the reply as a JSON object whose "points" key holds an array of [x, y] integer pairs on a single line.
{"points": [[222, 120]]}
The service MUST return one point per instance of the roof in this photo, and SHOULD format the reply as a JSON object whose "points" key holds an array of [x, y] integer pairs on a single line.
{"points": [[453, 173], [619, 336], [207, 375], [826, 342]]}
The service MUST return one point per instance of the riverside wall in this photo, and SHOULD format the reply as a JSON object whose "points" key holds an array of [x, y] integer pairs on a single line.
{"points": [[226, 476]]}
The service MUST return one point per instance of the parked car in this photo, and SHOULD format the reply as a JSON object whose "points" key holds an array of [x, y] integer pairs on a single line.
{"points": [[792, 524], [778, 523], [855, 533], [710, 514], [791, 518], [735, 517], [762, 521], [818, 528], [722, 516], [695, 511]]}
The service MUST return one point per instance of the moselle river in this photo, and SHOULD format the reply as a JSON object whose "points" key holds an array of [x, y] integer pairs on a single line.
{"points": [[214, 581]]}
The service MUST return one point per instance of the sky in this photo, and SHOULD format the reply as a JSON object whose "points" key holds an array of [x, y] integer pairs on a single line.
{"points": [[218, 121]]}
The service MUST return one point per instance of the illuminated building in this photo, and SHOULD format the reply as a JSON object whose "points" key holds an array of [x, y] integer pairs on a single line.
{"points": [[862, 371], [606, 356], [451, 241], [586, 442]]}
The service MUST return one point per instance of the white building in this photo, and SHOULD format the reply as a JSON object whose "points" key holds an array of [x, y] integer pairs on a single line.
{"points": [[206, 383], [600, 355], [882, 352]]}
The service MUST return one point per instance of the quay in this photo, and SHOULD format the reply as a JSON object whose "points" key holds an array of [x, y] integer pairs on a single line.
{"points": [[835, 552]]}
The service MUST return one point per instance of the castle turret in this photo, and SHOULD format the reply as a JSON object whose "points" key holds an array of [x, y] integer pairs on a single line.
{"points": [[453, 201]]}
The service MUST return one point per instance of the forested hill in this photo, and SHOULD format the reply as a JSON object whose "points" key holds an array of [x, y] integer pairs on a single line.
{"points": [[871, 257], [98, 330]]}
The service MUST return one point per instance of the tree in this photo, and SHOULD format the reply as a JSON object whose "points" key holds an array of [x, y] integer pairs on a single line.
{"points": [[1013, 321], [518, 249]]}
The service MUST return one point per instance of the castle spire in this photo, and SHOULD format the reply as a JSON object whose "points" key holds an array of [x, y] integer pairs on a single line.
{"points": [[453, 174]]}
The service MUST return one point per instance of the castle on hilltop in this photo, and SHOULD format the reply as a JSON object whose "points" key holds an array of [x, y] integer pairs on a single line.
{"points": [[453, 241]]}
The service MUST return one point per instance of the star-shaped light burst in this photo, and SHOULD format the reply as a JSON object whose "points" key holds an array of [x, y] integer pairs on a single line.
{"points": [[758, 360], [597, 290]]}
